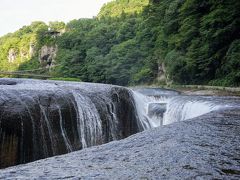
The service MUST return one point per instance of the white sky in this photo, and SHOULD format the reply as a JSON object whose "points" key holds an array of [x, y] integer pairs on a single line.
{"points": [[16, 13]]}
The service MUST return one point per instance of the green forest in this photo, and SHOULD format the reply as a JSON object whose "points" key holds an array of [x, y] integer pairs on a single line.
{"points": [[133, 42]]}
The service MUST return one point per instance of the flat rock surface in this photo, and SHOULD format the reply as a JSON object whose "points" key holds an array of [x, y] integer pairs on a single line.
{"points": [[206, 147]]}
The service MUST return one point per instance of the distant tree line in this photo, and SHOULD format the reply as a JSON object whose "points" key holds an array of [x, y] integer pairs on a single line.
{"points": [[196, 42]]}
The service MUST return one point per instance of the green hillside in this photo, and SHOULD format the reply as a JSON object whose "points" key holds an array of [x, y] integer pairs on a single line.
{"points": [[119, 7], [199, 41], [135, 42]]}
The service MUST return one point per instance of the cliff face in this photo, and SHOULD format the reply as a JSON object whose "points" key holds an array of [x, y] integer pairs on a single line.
{"points": [[12, 55], [21, 54], [47, 55], [31, 47]]}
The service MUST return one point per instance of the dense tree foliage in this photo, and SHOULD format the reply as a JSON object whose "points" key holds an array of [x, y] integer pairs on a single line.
{"points": [[19, 50], [196, 38], [119, 7], [195, 42], [17, 45], [104, 50]]}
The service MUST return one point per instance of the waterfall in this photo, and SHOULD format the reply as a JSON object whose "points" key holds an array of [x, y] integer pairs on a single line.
{"points": [[88, 121], [171, 108], [142, 105], [182, 108], [40, 119]]}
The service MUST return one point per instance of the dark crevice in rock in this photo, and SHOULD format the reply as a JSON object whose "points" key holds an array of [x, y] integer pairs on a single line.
{"points": [[231, 171], [7, 82]]}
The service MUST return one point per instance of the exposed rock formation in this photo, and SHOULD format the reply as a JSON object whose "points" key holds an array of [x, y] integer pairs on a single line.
{"points": [[7, 82], [47, 55], [161, 72], [12, 55], [39, 119], [206, 147], [31, 49], [162, 75]]}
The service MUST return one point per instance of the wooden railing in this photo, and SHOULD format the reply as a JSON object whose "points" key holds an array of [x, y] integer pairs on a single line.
{"points": [[30, 73], [24, 74]]}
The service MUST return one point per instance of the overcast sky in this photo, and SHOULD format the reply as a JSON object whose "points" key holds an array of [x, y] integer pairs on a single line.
{"points": [[16, 13]]}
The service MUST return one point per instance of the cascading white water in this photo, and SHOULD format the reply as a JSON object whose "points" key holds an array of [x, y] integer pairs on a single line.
{"points": [[178, 108], [142, 104], [89, 122], [181, 108], [63, 131], [41, 119]]}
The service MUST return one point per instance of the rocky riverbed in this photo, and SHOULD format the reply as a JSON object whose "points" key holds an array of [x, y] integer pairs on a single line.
{"points": [[206, 147]]}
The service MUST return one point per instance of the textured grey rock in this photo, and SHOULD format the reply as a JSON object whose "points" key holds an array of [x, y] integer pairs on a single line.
{"points": [[207, 147], [162, 76], [32, 49], [47, 55], [12, 55], [40, 119], [7, 82]]}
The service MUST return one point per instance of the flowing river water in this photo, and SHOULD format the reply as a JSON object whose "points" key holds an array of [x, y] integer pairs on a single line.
{"points": [[40, 119]]}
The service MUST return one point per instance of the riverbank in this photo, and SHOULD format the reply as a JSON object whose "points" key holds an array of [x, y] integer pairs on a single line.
{"points": [[198, 89], [207, 90]]}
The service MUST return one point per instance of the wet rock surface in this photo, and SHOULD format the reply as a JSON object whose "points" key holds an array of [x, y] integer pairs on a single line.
{"points": [[40, 119], [206, 147], [7, 82]]}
